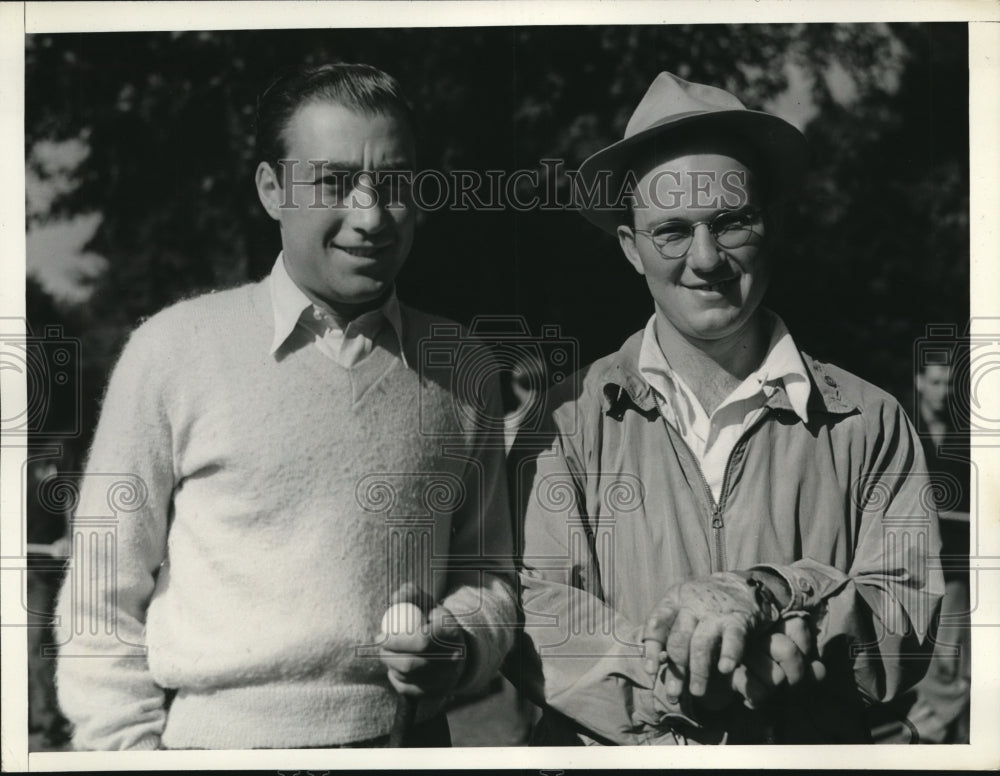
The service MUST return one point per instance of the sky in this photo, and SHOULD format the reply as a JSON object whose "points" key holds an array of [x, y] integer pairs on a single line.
{"points": [[55, 254]]}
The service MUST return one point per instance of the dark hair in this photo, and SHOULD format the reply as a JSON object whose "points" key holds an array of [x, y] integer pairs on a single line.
{"points": [[363, 88]]}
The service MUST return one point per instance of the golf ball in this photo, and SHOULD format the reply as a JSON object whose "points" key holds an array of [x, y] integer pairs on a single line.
{"points": [[402, 618]]}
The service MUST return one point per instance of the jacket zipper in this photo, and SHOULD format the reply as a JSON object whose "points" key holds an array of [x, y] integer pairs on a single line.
{"points": [[718, 559], [716, 523]]}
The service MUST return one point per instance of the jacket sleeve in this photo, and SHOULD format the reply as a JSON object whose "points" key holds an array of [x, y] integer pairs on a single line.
{"points": [[882, 610], [589, 656], [480, 591], [119, 541]]}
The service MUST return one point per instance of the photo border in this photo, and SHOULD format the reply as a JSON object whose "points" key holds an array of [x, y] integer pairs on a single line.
{"points": [[16, 20]]}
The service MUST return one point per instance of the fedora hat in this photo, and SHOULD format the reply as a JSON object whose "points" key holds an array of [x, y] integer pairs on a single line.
{"points": [[672, 109]]}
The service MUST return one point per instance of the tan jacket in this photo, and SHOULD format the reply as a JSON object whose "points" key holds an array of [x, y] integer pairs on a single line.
{"points": [[615, 511]]}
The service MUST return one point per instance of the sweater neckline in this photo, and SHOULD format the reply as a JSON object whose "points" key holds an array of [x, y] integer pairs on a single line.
{"points": [[366, 374]]}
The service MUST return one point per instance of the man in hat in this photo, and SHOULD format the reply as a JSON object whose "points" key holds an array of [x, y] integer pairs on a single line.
{"points": [[725, 539]]}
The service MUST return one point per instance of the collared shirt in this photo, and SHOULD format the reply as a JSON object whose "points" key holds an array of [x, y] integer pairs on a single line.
{"points": [[346, 345], [712, 438]]}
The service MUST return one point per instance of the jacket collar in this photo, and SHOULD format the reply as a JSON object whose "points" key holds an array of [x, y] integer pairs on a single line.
{"points": [[621, 384]]}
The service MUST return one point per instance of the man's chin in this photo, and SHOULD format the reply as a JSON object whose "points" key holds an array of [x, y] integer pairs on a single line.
{"points": [[716, 324]]}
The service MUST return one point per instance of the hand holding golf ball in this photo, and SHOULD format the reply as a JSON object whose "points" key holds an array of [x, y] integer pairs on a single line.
{"points": [[425, 654]]}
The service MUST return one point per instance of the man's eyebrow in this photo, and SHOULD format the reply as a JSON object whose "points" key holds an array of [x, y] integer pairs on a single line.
{"points": [[681, 221], [337, 170], [396, 162], [333, 169]]}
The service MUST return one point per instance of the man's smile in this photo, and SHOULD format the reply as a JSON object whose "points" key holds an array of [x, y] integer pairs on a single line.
{"points": [[361, 251], [715, 287]]}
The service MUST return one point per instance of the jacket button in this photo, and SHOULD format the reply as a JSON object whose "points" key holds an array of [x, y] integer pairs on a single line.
{"points": [[829, 380]]}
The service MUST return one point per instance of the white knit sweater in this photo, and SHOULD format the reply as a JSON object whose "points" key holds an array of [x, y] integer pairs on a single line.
{"points": [[233, 534]]}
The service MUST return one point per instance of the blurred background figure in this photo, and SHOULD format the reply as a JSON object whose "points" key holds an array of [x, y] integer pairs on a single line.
{"points": [[936, 711], [932, 393], [941, 711], [946, 446]]}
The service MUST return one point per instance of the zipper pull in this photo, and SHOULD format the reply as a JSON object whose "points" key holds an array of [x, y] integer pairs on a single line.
{"points": [[717, 517]]}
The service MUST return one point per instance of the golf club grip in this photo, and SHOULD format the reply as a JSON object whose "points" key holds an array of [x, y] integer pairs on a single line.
{"points": [[406, 715]]}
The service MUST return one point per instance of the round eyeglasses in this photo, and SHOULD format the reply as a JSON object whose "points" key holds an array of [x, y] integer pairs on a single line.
{"points": [[730, 229]]}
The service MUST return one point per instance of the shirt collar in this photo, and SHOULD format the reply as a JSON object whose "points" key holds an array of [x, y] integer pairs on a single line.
{"points": [[392, 314], [289, 302], [782, 364]]}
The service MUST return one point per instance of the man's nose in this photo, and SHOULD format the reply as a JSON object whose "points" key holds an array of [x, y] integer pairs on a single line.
{"points": [[703, 255], [366, 212]]}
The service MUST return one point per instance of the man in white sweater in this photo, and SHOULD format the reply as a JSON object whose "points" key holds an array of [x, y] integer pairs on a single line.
{"points": [[272, 464]]}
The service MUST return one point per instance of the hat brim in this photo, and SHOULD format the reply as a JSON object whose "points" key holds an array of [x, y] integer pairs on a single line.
{"points": [[780, 147]]}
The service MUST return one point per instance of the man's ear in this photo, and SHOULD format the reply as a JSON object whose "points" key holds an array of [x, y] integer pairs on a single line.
{"points": [[269, 190], [626, 239]]}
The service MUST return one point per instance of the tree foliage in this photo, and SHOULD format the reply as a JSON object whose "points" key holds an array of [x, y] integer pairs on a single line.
{"points": [[877, 245]]}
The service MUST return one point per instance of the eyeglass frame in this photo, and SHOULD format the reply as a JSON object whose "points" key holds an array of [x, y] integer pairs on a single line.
{"points": [[756, 213]]}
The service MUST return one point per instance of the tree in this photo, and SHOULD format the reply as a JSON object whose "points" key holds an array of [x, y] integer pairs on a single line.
{"points": [[878, 244], [879, 248]]}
